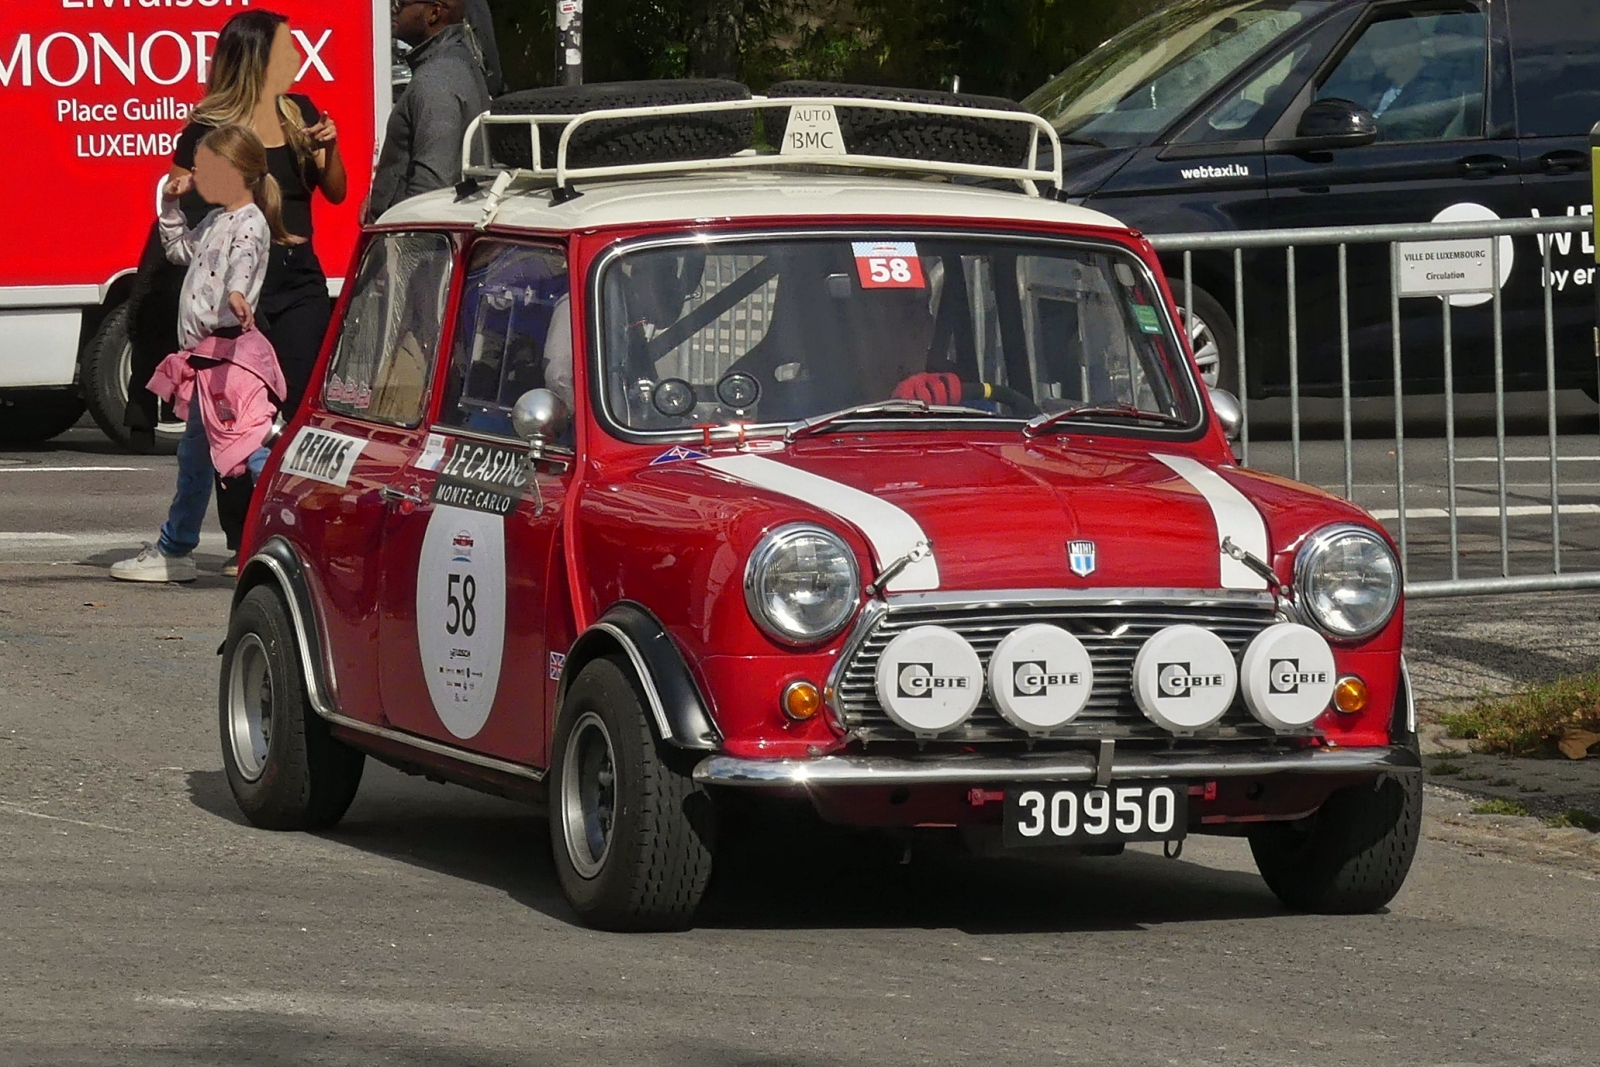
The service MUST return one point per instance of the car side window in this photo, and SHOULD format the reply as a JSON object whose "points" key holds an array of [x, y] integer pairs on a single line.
{"points": [[1244, 113], [513, 333], [1421, 74], [1555, 56], [383, 364]]}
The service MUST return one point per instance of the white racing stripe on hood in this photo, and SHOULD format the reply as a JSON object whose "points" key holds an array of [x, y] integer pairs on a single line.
{"points": [[1235, 517], [891, 531]]}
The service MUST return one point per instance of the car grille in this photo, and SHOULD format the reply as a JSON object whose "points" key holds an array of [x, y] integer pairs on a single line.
{"points": [[1112, 631]]}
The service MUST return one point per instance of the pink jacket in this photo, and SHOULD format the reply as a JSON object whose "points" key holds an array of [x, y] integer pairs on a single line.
{"points": [[235, 379]]}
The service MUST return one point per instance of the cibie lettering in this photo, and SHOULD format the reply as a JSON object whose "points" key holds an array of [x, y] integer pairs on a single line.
{"points": [[1287, 677], [1179, 680], [1033, 679], [918, 681]]}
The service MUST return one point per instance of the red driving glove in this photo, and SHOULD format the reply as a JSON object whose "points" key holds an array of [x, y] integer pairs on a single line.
{"points": [[942, 389]]}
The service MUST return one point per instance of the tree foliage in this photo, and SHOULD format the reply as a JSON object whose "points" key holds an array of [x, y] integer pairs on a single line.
{"points": [[1002, 47]]}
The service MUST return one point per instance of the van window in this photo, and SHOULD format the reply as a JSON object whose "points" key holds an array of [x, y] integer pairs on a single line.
{"points": [[1555, 56], [384, 361], [513, 333], [1244, 113], [1130, 89], [1421, 74]]}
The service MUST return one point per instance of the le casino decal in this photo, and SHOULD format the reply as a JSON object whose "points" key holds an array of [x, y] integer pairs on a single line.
{"points": [[482, 477]]}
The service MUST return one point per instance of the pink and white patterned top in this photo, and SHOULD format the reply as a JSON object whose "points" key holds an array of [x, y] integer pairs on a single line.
{"points": [[226, 253]]}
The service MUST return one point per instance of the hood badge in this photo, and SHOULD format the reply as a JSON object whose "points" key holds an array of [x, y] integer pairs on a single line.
{"points": [[1080, 557]]}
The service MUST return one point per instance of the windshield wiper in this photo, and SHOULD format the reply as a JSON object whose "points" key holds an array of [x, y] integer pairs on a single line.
{"points": [[1040, 423], [1089, 141], [817, 423]]}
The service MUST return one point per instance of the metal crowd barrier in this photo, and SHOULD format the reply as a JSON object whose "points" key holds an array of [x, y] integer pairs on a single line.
{"points": [[1555, 577]]}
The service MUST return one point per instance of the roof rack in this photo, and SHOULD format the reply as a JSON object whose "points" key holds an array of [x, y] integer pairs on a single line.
{"points": [[813, 114]]}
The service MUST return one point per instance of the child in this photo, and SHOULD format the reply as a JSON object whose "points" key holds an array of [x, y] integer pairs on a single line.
{"points": [[225, 366]]}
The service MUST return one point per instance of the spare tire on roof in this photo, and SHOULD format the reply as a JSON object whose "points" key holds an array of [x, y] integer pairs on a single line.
{"points": [[653, 139], [908, 135]]}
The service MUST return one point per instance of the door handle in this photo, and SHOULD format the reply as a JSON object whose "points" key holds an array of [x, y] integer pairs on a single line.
{"points": [[1483, 166], [391, 495], [1564, 161]]}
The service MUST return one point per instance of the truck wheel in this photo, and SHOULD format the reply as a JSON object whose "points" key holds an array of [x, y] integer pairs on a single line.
{"points": [[31, 418], [632, 834], [286, 770], [1351, 856], [107, 369], [1213, 338]]}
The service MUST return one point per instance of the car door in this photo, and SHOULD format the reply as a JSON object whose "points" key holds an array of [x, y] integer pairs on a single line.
{"points": [[334, 486], [468, 563], [1555, 63], [1423, 70]]}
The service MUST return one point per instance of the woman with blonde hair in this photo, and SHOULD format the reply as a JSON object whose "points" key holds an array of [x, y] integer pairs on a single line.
{"points": [[254, 66]]}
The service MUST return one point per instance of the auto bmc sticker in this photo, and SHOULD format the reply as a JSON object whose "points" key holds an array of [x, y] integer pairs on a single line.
{"points": [[482, 477], [888, 265], [461, 614], [322, 456]]}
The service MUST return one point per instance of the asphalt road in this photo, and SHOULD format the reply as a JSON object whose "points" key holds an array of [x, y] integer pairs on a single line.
{"points": [[145, 924]]}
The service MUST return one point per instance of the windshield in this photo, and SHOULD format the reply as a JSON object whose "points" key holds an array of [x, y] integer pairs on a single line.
{"points": [[778, 329], [1134, 86]]}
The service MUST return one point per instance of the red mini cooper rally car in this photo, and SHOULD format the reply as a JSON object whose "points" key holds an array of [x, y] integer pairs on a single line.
{"points": [[648, 470]]}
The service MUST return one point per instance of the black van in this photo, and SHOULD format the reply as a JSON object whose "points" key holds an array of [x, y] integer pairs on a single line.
{"points": [[1218, 115]]}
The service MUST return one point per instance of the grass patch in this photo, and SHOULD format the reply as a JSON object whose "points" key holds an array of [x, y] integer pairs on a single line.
{"points": [[1532, 721], [1444, 769], [1583, 820], [1500, 807]]}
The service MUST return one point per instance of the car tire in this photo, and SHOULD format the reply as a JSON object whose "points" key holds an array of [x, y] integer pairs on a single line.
{"points": [[107, 370], [653, 139], [286, 770], [909, 135], [631, 832], [1352, 856], [33, 418], [1212, 336]]}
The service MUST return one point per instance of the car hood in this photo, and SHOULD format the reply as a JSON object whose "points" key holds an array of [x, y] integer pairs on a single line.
{"points": [[1044, 515]]}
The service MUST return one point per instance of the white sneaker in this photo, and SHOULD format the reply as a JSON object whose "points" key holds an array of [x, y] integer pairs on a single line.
{"points": [[151, 566]]}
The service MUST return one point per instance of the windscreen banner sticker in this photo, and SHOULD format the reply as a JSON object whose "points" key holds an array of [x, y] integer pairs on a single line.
{"points": [[888, 265], [461, 615], [1146, 317], [432, 453], [322, 456], [482, 477]]}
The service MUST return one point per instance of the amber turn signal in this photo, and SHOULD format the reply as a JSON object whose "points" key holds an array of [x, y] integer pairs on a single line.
{"points": [[801, 701], [1350, 695]]}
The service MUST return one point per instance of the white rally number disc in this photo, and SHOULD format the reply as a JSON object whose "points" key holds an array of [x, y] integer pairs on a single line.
{"points": [[1184, 678], [461, 614], [1040, 677], [929, 679], [1288, 676]]}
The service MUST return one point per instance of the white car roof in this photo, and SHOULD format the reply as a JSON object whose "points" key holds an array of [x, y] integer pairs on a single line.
{"points": [[739, 195]]}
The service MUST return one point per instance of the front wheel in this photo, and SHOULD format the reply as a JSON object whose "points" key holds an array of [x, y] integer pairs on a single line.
{"points": [[286, 770], [631, 833], [1352, 856]]}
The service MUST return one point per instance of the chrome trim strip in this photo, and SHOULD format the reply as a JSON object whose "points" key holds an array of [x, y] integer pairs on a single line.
{"points": [[460, 755], [856, 770], [658, 710], [324, 707], [865, 623], [1044, 598]]}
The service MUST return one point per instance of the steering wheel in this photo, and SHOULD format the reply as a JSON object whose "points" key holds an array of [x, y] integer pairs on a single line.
{"points": [[1019, 403]]}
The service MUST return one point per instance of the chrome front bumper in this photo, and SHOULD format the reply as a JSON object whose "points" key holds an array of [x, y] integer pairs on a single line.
{"points": [[857, 770]]}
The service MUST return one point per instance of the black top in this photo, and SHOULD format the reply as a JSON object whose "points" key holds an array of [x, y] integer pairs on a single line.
{"points": [[291, 266]]}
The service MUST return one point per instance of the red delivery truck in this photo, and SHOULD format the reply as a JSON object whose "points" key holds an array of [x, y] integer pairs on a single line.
{"points": [[95, 93]]}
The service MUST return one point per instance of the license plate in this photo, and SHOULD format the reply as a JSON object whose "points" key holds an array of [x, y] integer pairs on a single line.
{"points": [[1077, 814]]}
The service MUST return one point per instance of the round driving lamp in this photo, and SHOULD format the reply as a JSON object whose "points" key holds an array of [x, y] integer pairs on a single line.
{"points": [[802, 584], [1347, 581]]}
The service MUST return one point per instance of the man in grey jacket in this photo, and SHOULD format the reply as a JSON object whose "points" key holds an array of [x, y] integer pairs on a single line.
{"points": [[422, 148]]}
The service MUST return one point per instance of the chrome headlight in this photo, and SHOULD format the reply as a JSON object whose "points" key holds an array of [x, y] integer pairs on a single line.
{"points": [[802, 584], [1348, 581]]}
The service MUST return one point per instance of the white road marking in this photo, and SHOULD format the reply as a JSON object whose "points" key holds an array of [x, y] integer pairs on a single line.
{"points": [[71, 470], [1528, 459], [49, 546], [1516, 511], [10, 809]]}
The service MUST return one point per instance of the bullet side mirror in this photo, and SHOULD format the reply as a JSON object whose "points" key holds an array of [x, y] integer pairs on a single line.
{"points": [[1229, 412]]}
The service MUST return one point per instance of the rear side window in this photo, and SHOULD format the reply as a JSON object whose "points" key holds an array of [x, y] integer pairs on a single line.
{"points": [[1555, 56], [1421, 74], [390, 334]]}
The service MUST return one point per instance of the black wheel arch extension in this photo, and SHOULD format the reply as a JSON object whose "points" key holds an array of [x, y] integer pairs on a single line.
{"points": [[276, 563], [677, 709]]}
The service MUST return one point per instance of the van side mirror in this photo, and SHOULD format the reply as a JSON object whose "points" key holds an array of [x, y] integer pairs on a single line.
{"points": [[1228, 411], [1331, 123], [539, 418]]}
